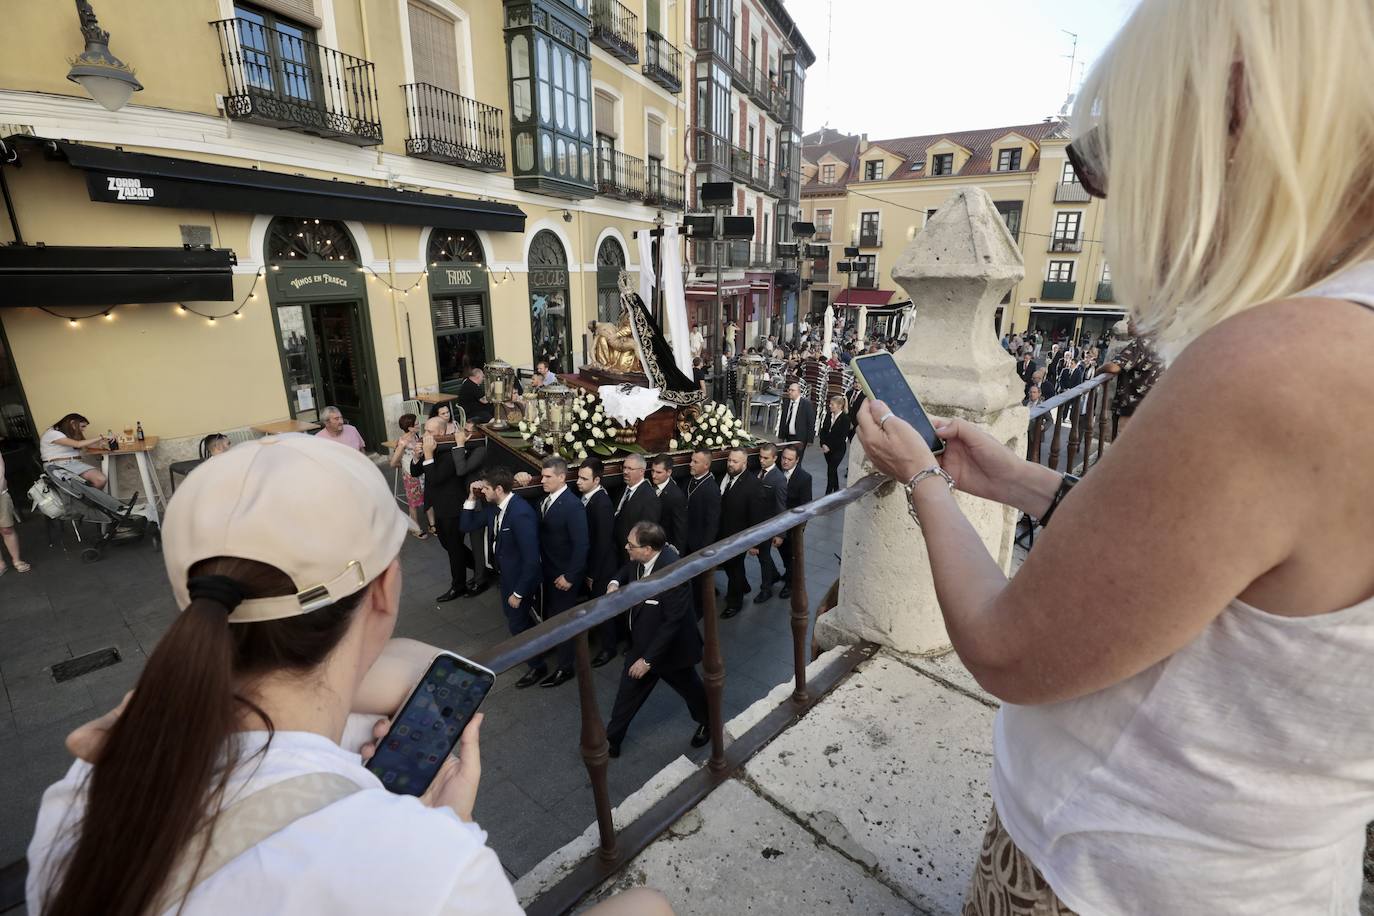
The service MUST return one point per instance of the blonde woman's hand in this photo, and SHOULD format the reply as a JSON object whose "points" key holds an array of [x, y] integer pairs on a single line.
{"points": [[983, 466], [455, 785]]}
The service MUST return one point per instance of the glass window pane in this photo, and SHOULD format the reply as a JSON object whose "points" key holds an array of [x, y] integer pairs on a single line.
{"points": [[519, 56], [545, 153], [295, 346], [584, 94], [520, 99], [524, 152], [587, 164]]}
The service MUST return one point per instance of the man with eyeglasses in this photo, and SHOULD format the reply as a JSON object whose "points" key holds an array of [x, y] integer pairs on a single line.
{"points": [[665, 643]]}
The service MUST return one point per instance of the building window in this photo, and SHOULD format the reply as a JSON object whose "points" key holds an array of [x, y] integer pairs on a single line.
{"points": [[1068, 175], [551, 104], [550, 330], [1066, 226], [1011, 214], [1009, 160], [825, 222], [942, 164], [1061, 272], [279, 56], [1106, 273], [873, 171], [610, 261], [828, 173], [866, 271], [868, 229], [433, 48], [459, 303]]}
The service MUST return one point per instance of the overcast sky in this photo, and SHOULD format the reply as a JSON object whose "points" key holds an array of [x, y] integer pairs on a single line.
{"points": [[893, 68]]}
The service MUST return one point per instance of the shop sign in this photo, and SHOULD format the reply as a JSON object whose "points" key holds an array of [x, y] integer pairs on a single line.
{"points": [[315, 282], [545, 277], [457, 278], [119, 189]]}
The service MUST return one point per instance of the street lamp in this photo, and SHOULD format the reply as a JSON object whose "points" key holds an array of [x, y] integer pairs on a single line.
{"points": [[106, 78]]}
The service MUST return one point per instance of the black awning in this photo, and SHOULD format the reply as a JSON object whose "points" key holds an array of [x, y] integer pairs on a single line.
{"points": [[115, 176], [34, 275]]}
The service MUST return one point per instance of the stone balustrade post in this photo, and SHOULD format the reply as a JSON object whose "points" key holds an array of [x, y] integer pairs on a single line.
{"points": [[956, 270]]}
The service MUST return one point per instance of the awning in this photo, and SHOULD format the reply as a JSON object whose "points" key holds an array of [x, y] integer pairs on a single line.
{"points": [[114, 176], [33, 275], [864, 297]]}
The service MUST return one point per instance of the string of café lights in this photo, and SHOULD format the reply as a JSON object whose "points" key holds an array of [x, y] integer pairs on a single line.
{"points": [[182, 308]]}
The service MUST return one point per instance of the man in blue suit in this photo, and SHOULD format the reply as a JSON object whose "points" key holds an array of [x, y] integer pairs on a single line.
{"points": [[513, 528], [563, 542]]}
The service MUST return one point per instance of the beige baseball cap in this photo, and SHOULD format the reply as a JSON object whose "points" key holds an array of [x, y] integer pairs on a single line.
{"points": [[319, 511]]}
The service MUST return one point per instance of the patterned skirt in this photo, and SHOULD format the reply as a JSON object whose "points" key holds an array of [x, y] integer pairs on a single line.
{"points": [[1005, 883], [415, 491]]}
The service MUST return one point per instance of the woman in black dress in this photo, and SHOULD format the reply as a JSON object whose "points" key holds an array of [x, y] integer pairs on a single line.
{"points": [[834, 441]]}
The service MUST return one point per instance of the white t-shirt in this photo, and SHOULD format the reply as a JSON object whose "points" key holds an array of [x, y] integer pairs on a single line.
{"points": [[372, 852], [49, 450]]}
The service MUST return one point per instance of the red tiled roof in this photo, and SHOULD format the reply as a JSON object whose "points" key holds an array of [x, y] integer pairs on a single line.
{"points": [[864, 297]]}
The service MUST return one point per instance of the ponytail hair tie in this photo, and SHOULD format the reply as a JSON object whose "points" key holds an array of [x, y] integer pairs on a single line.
{"points": [[219, 589]]}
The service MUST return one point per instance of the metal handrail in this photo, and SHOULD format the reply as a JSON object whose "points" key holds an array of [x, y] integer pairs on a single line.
{"points": [[616, 29], [448, 127], [1052, 413], [620, 175], [662, 61]]}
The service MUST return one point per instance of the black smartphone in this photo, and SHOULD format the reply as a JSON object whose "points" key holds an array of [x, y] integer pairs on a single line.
{"points": [[429, 723], [881, 380]]}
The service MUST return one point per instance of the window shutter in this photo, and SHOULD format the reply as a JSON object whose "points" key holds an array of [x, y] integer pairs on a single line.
{"points": [[651, 16], [605, 114], [302, 11], [462, 313], [433, 48], [655, 139]]}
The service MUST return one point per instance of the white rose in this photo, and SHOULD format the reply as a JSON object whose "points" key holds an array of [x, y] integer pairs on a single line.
{"points": [[525, 436], [569, 438], [672, 444], [601, 434], [581, 455], [523, 427], [734, 443]]}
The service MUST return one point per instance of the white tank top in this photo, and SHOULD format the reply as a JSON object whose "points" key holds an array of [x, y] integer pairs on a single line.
{"points": [[1235, 776]]}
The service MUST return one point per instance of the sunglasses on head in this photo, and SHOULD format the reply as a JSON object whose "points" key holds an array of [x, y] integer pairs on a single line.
{"points": [[1084, 155]]}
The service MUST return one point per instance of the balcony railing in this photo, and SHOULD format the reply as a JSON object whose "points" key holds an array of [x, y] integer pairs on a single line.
{"points": [[1070, 192], [865, 281], [618, 175], [742, 70], [1058, 290], [733, 254], [664, 187], [868, 239], [282, 80], [763, 255], [1080, 409], [1068, 243], [662, 62], [822, 233], [1104, 292], [760, 174], [710, 150], [741, 164], [447, 127], [820, 274], [616, 29]]}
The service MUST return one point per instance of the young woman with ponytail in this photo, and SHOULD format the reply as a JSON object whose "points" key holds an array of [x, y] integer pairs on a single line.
{"points": [[230, 780]]}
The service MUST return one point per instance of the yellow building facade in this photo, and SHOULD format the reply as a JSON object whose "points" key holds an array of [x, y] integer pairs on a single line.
{"points": [[404, 188], [875, 196]]}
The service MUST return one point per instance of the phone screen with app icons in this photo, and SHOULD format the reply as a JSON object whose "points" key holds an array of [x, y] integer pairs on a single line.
{"points": [[429, 724]]}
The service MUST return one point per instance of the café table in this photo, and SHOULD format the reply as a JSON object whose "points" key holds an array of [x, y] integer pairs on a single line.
{"points": [[435, 397], [277, 427], [141, 452]]}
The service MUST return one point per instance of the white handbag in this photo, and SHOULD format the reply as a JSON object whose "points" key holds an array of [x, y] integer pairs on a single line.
{"points": [[45, 500]]}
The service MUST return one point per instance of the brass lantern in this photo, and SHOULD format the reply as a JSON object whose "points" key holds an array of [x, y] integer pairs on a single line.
{"points": [[753, 374], [556, 403], [498, 385]]}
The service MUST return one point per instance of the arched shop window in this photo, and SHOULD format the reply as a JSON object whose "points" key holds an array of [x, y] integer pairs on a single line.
{"points": [[309, 240], [460, 304], [549, 306], [324, 332], [610, 261]]}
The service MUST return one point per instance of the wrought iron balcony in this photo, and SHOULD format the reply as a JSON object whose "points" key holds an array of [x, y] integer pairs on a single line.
{"points": [[733, 254], [763, 255], [1058, 290], [619, 176], [741, 163], [1069, 243], [865, 281], [662, 62], [820, 274], [822, 233], [742, 70], [447, 127], [282, 80], [664, 187], [1104, 292], [760, 174], [616, 29], [870, 239], [1070, 192]]}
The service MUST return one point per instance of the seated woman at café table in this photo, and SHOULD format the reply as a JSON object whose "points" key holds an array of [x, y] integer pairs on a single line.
{"points": [[443, 412], [61, 445], [336, 430]]}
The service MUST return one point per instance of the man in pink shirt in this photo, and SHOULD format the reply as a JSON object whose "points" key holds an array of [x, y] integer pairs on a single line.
{"points": [[336, 430]]}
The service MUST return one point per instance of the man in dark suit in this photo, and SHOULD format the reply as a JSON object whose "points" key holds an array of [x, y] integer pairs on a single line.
{"points": [[443, 473], [672, 504], [639, 502], [772, 501], [472, 398], [563, 545], [799, 493], [1025, 367], [514, 548], [797, 422], [664, 641], [703, 504], [602, 552], [739, 509]]}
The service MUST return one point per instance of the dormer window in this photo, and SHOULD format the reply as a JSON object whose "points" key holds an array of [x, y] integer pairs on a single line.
{"points": [[942, 164], [873, 171], [918, 166], [1009, 160], [828, 173]]}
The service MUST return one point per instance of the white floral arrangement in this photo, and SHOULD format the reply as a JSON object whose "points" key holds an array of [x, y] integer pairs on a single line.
{"points": [[592, 432], [715, 427]]}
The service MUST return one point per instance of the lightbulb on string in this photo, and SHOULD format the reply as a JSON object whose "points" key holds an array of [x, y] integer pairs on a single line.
{"points": [[71, 321]]}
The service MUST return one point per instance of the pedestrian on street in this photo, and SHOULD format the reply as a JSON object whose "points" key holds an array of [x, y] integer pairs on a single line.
{"points": [[8, 519], [835, 435], [772, 499], [563, 547]]}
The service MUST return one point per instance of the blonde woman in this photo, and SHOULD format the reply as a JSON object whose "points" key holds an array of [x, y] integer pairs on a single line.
{"points": [[1199, 741]]}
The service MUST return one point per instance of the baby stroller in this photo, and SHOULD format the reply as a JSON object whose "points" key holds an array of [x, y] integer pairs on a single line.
{"points": [[69, 498]]}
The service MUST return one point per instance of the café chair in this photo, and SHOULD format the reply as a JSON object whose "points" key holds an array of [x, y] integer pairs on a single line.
{"points": [[190, 464]]}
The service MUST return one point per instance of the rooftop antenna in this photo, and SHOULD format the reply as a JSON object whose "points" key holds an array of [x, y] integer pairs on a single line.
{"points": [[1072, 56]]}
